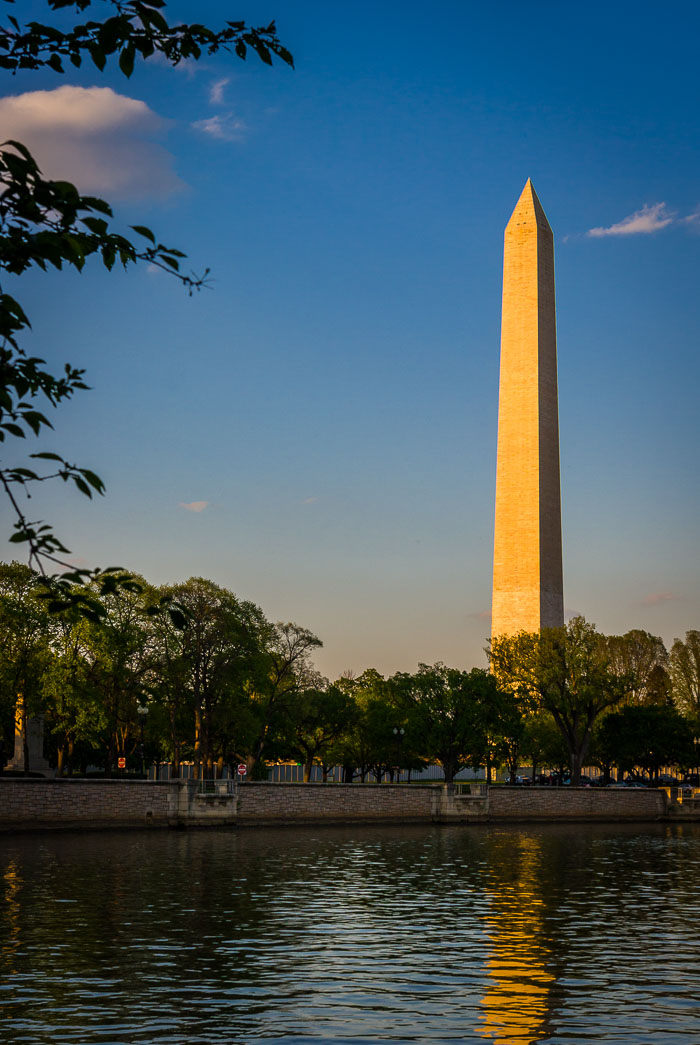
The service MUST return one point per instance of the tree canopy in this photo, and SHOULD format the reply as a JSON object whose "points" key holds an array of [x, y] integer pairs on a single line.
{"points": [[566, 672]]}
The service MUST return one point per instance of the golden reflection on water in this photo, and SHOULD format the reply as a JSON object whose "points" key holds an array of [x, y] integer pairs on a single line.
{"points": [[516, 1003], [10, 935]]}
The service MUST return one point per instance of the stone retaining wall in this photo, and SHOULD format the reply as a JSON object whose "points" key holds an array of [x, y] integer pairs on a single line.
{"points": [[83, 803], [306, 803], [31, 804], [575, 803]]}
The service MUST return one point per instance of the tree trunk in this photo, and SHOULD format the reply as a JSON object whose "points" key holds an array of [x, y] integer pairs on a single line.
{"points": [[175, 765], [198, 767]]}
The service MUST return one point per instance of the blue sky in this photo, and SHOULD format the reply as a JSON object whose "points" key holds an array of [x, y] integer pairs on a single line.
{"points": [[333, 397]]}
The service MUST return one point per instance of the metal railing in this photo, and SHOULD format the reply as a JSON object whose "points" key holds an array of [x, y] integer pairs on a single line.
{"points": [[466, 789], [216, 787]]}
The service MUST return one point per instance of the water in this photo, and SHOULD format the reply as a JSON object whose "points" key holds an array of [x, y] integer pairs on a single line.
{"points": [[417, 934]]}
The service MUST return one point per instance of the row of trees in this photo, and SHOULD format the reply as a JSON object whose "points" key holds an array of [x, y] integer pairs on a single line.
{"points": [[192, 673]]}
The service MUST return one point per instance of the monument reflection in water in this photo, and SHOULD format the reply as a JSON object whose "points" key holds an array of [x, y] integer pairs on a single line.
{"points": [[516, 1003], [419, 934]]}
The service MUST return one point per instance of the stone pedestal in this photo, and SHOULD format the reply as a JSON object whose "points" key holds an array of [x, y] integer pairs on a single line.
{"points": [[35, 742]]}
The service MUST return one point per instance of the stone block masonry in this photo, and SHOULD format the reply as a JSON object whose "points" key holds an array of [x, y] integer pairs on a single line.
{"points": [[576, 803], [87, 804], [51, 804], [337, 803], [527, 564]]}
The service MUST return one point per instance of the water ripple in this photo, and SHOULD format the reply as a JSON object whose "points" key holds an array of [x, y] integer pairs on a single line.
{"points": [[545, 935]]}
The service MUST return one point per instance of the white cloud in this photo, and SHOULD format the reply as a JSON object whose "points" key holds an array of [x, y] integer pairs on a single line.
{"points": [[194, 506], [216, 91], [657, 598], [648, 219], [224, 128], [693, 220], [309, 500], [94, 137]]}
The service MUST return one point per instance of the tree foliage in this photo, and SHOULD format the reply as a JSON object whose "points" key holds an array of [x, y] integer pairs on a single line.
{"points": [[455, 712], [641, 659], [49, 224], [234, 687], [137, 28], [648, 737], [315, 720], [566, 672], [684, 667]]}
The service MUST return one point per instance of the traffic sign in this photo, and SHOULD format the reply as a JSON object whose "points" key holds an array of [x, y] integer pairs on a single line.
{"points": [[121, 763], [242, 769]]}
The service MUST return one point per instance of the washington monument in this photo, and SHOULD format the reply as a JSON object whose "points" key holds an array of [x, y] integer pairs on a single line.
{"points": [[527, 567]]}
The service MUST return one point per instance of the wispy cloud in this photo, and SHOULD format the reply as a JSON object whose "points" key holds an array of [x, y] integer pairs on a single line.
{"points": [[693, 220], [94, 137], [657, 598], [216, 91], [194, 506], [651, 218], [226, 127]]}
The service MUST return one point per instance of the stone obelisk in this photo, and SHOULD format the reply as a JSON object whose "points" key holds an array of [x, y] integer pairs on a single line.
{"points": [[527, 569]]}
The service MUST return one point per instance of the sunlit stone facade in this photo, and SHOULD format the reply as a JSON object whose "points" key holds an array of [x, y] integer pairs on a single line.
{"points": [[527, 571]]}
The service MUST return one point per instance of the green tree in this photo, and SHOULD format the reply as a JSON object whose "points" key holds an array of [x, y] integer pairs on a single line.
{"points": [[542, 742], [166, 685], [114, 651], [316, 719], [648, 737], [287, 670], [684, 669], [74, 705], [24, 651], [565, 671], [455, 711], [641, 659], [49, 224], [354, 750], [222, 652], [506, 732]]}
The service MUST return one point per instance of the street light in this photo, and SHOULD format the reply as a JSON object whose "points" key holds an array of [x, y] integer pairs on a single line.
{"points": [[143, 711]]}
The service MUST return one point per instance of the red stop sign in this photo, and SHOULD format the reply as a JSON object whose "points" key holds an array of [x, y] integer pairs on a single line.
{"points": [[242, 769], [121, 763]]}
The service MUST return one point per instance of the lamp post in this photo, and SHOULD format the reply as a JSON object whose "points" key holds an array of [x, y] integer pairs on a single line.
{"points": [[398, 737], [143, 711]]}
